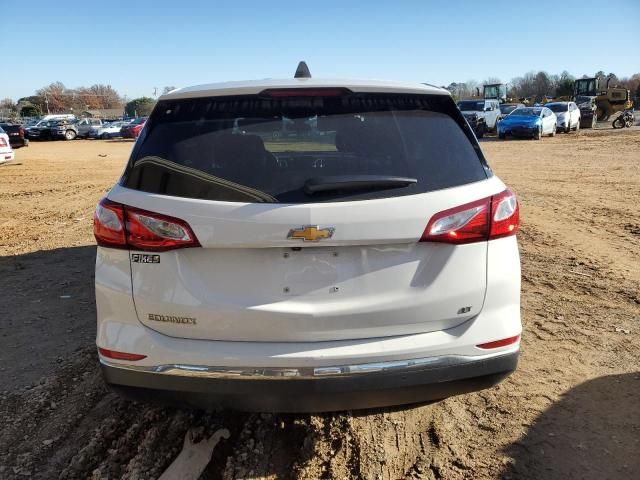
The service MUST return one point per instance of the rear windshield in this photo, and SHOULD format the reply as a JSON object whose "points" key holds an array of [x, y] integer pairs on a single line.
{"points": [[304, 149], [507, 109], [526, 112], [471, 106], [558, 107]]}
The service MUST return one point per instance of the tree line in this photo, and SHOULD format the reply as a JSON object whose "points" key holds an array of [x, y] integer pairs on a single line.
{"points": [[538, 85], [57, 98]]}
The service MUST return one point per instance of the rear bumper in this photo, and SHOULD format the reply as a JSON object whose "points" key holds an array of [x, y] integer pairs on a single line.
{"points": [[17, 142], [308, 389], [7, 156]]}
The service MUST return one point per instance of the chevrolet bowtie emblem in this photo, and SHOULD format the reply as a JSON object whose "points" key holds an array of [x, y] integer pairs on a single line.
{"points": [[310, 233]]}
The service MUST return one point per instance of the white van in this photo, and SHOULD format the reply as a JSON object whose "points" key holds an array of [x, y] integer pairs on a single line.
{"points": [[64, 116]]}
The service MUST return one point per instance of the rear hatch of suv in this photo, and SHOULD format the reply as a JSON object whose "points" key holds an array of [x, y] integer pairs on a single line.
{"points": [[304, 210]]}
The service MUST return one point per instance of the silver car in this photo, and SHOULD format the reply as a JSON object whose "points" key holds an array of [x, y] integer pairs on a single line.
{"points": [[567, 114], [106, 131]]}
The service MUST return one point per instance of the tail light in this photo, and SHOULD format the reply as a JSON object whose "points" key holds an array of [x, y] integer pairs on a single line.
{"points": [[3, 142], [120, 226], [492, 217], [21, 131]]}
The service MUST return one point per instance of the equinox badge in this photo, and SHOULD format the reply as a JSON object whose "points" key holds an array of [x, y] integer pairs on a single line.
{"points": [[310, 233]]}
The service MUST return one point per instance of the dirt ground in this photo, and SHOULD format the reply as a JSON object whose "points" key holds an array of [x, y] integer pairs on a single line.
{"points": [[571, 411]]}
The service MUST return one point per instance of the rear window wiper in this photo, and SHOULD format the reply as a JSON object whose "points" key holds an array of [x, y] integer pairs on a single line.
{"points": [[355, 182]]}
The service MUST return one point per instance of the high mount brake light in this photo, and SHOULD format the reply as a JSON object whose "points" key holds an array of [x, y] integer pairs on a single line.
{"points": [[120, 226], [486, 219], [305, 92]]}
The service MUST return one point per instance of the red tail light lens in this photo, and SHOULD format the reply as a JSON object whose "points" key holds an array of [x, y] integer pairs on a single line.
{"points": [[505, 215], [120, 226], [3, 142], [120, 355], [464, 224], [492, 217], [108, 224], [21, 131], [499, 343], [155, 232]]}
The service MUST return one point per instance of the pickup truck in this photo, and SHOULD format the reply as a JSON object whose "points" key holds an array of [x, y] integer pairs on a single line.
{"points": [[33, 128], [62, 129], [482, 115], [15, 131]]}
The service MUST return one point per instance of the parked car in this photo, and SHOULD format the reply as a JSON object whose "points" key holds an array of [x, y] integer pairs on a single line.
{"points": [[133, 129], [567, 115], [86, 125], [16, 134], [375, 265], [507, 108], [41, 130], [6, 152], [531, 122], [32, 128], [482, 115], [107, 130], [63, 129]]}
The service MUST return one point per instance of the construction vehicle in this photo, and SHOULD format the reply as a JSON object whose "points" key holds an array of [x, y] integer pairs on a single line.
{"points": [[495, 91], [605, 99]]}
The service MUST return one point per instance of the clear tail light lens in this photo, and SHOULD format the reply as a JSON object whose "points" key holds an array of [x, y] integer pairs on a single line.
{"points": [[120, 226], [492, 217]]}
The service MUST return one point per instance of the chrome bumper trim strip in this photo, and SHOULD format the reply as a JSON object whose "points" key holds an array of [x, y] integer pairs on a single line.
{"points": [[276, 373]]}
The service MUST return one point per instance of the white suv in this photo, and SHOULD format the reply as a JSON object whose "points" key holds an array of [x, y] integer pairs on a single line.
{"points": [[307, 245]]}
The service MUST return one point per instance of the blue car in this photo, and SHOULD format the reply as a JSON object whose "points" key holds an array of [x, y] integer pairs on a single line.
{"points": [[531, 122]]}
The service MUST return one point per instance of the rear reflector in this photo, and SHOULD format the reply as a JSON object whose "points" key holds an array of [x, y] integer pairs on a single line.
{"points": [[120, 226], [120, 355], [486, 219], [499, 343]]}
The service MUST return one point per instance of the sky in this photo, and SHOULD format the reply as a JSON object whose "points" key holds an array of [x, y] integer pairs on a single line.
{"points": [[137, 45]]}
